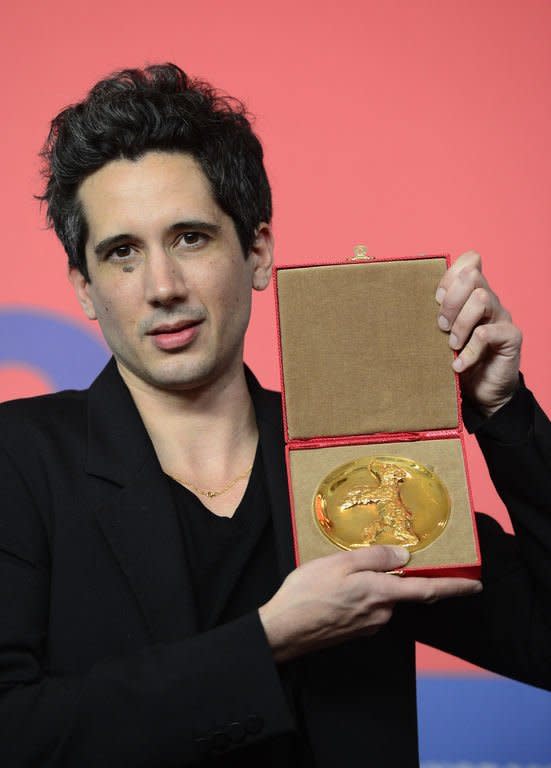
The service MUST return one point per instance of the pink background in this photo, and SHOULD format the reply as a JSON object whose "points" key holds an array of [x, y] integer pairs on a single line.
{"points": [[411, 127]]}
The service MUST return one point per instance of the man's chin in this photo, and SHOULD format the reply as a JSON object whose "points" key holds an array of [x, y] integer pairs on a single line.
{"points": [[183, 378], [180, 372], [175, 376]]}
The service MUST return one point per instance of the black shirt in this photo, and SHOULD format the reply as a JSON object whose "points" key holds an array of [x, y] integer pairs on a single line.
{"points": [[233, 567]]}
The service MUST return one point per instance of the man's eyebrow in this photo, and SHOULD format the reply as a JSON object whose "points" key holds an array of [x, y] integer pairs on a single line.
{"points": [[205, 226], [111, 242]]}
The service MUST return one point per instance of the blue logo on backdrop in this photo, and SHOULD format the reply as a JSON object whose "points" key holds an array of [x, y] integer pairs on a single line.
{"points": [[67, 354], [483, 723]]}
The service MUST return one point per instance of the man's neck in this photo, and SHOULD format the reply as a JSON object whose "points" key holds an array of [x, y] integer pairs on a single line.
{"points": [[207, 434]]}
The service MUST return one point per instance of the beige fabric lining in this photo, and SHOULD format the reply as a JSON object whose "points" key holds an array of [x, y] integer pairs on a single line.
{"points": [[456, 545], [361, 349]]}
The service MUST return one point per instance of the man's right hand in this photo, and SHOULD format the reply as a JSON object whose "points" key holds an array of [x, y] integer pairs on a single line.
{"points": [[347, 595]]}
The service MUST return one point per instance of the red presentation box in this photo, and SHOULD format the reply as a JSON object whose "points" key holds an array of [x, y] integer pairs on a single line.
{"points": [[374, 436]]}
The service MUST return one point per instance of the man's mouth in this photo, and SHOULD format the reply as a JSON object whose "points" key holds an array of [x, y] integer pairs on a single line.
{"points": [[174, 336]]}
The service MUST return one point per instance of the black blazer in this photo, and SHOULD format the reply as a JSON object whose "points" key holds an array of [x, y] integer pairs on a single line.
{"points": [[100, 660]]}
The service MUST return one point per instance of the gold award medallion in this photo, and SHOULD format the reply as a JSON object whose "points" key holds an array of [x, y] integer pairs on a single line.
{"points": [[382, 500]]}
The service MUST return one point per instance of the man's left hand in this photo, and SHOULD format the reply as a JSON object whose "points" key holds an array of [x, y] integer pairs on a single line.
{"points": [[482, 332]]}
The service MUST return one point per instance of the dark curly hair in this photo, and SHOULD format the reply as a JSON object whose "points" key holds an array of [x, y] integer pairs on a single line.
{"points": [[156, 108]]}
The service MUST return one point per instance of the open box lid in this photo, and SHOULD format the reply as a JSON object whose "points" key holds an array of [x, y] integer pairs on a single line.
{"points": [[361, 352]]}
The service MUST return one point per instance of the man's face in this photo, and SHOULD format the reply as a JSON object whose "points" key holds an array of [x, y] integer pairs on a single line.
{"points": [[169, 284]]}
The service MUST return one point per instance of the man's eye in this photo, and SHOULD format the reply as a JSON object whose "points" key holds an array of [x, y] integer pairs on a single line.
{"points": [[193, 238], [120, 252]]}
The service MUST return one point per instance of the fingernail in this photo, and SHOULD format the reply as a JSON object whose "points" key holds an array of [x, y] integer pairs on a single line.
{"points": [[443, 323], [402, 554], [457, 364], [453, 340], [440, 293]]}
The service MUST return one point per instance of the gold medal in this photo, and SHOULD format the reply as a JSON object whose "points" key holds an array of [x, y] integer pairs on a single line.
{"points": [[382, 500]]}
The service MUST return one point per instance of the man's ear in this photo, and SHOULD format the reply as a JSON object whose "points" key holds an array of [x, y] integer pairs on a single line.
{"points": [[82, 289], [262, 255]]}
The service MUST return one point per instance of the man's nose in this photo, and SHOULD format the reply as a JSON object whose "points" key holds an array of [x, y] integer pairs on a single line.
{"points": [[164, 280]]}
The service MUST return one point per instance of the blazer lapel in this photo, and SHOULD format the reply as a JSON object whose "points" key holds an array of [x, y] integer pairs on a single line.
{"points": [[140, 521], [272, 443]]}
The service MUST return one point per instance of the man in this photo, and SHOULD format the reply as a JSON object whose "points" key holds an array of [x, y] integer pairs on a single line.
{"points": [[151, 612]]}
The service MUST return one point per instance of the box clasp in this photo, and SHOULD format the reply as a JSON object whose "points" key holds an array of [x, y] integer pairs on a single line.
{"points": [[361, 254]]}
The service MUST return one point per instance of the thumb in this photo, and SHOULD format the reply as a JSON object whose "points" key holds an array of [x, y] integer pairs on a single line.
{"points": [[377, 558]]}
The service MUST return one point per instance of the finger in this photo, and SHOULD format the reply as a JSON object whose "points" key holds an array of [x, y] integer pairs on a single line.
{"points": [[423, 590], [468, 260], [464, 284], [378, 618], [375, 558], [503, 337], [481, 306]]}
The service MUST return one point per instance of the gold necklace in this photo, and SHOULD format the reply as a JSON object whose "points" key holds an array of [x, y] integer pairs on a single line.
{"points": [[212, 494]]}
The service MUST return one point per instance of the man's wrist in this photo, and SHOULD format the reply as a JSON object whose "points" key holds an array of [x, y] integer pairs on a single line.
{"points": [[510, 422], [273, 634]]}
